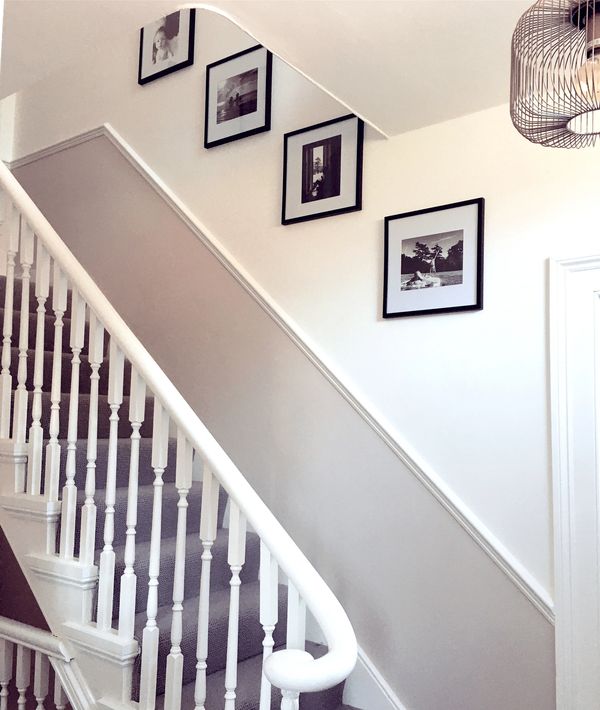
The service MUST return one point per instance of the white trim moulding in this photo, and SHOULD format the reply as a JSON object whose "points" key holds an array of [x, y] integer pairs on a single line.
{"points": [[449, 500]]}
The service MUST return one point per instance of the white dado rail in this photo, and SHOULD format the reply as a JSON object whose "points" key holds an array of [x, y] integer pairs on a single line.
{"points": [[60, 283]]}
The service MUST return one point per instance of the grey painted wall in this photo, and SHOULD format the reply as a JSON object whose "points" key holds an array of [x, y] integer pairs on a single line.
{"points": [[445, 627]]}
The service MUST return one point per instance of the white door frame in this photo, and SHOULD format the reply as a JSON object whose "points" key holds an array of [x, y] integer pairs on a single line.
{"points": [[574, 316]]}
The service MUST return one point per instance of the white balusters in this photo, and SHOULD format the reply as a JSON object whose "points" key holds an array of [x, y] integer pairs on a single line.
{"points": [[88, 513], [290, 700], [60, 698], [137, 404], [160, 441], [21, 395], [5, 376], [59, 305], [183, 482], [23, 674], [6, 669], [208, 532], [69, 497], [41, 678], [236, 557], [296, 620], [269, 608], [36, 434], [106, 579]]}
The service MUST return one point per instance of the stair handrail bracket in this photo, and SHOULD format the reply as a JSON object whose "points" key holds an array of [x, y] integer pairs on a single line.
{"points": [[290, 670]]}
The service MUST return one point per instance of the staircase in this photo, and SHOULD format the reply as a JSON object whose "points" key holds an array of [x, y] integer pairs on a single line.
{"points": [[156, 562]]}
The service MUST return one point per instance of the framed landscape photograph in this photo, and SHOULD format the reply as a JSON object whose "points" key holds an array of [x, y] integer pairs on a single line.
{"points": [[433, 260], [322, 170], [166, 45], [238, 96]]}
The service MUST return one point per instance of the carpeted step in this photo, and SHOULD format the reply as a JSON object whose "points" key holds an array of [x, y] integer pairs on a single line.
{"points": [[17, 290], [144, 524], [49, 321], [84, 372], [250, 640], [249, 674], [220, 573], [124, 427], [145, 471]]}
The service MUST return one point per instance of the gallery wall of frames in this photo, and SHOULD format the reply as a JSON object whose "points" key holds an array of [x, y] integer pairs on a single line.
{"points": [[433, 258]]}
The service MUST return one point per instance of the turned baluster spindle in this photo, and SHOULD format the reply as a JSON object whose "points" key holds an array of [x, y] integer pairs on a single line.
{"points": [[209, 514], [59, 306], [236, 556], [12, 248], [6, 669], [36, 434], [269, 608], [41, 679], [150, 637], [106, 578], [88, 513], [23, 674], [290, 700], [296, 620], [69, 496], [137, 405], [60, 697], [183, 483], [20, 406], [21, 395]]}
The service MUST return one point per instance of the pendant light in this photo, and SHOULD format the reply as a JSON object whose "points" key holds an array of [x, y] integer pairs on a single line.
{"points": [[555, 73]]}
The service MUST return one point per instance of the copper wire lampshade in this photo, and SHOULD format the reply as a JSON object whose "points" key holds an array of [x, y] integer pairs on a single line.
{"points": [[555, 73]]}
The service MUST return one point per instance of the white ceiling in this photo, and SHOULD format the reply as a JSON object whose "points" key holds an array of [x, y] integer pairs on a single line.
{"points": [[401, 64]]}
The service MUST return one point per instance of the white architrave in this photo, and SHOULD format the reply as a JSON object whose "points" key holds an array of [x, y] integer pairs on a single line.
{"points": [[575, 398]]}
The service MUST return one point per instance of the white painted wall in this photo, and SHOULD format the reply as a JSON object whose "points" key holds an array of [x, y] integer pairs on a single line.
{"points": [[466, 391]]}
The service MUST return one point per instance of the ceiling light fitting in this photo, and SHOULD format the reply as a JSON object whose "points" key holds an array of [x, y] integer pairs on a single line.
{"points": [[555, 73]]}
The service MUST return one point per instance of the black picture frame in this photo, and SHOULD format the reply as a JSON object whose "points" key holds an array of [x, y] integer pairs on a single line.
{"points": [[419, 237], [332, 148], [186, 51], [252, 68]]}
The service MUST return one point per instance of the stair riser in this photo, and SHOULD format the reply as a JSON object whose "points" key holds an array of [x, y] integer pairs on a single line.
{"points": [[49, 329], [66, 369], [124, 427], [219, 576], [145, 471], [250, 635]]}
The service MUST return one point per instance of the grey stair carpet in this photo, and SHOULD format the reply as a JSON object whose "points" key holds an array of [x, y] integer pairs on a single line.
{"points": [[251, 634]]}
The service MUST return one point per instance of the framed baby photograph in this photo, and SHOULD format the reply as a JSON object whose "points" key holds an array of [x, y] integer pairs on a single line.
{"points": [[433, 260], [322, 170], [238, 96], [166, 45]]}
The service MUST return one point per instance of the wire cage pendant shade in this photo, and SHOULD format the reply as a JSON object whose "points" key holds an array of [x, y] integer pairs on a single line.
{"points": [[555, 73]]}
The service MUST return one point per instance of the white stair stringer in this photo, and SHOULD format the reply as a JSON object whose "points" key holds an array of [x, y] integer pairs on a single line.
{"points": [[100, 671]]}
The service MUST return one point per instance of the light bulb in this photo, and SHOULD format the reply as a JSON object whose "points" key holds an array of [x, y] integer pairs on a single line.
{"points": [[588, 79]]}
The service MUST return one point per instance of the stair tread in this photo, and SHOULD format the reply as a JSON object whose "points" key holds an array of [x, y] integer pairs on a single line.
{"points": [[250, 631], [219, 576], [249, 674], [170, 498]]}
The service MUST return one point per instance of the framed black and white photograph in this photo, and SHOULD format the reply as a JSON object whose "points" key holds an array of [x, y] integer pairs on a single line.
{"points": [[166, 45], [238, 96], [322, 170], [433, 260]]}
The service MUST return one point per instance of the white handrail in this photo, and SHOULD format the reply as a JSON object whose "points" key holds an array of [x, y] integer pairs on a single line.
{"points": [[282, 668], [34, 639]]}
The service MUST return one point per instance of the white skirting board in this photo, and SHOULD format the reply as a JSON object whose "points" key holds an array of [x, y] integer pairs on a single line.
{"points": [[453, 504], [366, 688]]}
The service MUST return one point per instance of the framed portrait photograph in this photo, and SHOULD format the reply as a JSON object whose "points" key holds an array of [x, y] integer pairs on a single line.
{"points": [[166, 45], [238, 96], [433, 260], [322, 170]]}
